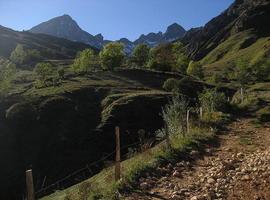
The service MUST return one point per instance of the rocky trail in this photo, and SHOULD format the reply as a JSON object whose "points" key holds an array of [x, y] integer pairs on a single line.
{"points": [[238, 169]]}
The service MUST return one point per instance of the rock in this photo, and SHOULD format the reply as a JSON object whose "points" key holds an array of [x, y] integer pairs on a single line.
{"points": [[176, 174], [246, 178], [175, 197], [144, 186], [211, 181], [194, 198]]}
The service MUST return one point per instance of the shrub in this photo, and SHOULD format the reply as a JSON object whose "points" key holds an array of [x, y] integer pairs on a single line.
{"points": [[171, 85], [85, 61], [112, 56], [195, 69], [43, 71], [211, 100], [174, 116], [264, 114], [243, 72]]}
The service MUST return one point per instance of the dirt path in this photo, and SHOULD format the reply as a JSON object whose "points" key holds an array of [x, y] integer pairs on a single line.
{"points": [[238, 169]]}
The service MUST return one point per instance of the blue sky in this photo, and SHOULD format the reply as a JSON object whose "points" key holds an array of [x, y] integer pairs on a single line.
{"points": [[113, 18]]}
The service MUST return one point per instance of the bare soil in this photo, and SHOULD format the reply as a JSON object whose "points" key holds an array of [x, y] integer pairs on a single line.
{"points": [[238, 169]]}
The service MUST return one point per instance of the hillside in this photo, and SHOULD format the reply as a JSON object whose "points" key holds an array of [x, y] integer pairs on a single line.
{"points": [[88, 107], [241, 16], [49, 47]]}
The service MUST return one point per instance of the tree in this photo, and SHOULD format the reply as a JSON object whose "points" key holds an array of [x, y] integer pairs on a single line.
{"points": [[43, 70], [195, 69], [161, 58], [112, 55], [141, 54], [7, 74], [182, 63], [169, 57], [20, 55], [85, 61]]}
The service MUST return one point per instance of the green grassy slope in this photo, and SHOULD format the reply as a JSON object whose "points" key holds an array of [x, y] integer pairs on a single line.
{"points": [[242, 45]]}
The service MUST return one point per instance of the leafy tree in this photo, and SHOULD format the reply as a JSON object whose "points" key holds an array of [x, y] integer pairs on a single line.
{"points": [[43, 71], [141, 54], [18, 55], [21, 55], [85, 61], [161, 58], [195, 69], [7, 73], [112, 55], [182, 63], [169, 57]]}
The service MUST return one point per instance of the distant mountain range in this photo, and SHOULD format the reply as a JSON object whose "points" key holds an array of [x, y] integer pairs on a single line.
{"points": [[50, 47], [65, 27]]}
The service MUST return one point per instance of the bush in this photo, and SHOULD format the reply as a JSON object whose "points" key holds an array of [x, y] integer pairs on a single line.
{"points": [[195, 69], [171, 85], [243, 72], [112, 56], [85, 61], [212, 101], [174, 116], [264, 114], [43, 71]]}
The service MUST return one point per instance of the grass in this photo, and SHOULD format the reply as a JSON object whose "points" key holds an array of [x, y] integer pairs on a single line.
{"points": [[226, 54], [103, 186]]}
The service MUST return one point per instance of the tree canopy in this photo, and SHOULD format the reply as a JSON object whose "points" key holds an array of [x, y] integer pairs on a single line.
{"points": [[85, 61], [112, 56], [140, 55]]}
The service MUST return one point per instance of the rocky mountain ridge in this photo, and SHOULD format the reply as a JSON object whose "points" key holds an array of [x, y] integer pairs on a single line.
{"points": [[242, 15], [65, 27]]}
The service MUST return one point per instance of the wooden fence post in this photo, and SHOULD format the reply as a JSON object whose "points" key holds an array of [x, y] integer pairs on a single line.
{"points": [[167, 137], [188, 121], [242, 95], [201, 113], [118, 155], [30, 185]]}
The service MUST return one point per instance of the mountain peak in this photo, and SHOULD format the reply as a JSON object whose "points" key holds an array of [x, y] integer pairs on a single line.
{"points": [[174, 31], [65, 27]]}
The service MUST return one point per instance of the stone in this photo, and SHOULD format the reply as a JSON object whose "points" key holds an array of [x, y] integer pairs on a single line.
{"points": [[211, 181], [144, 186], [246, 178], [176, 174]]}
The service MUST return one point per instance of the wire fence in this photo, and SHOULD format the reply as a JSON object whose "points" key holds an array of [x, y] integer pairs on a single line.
{"points": [[80, 174]]}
